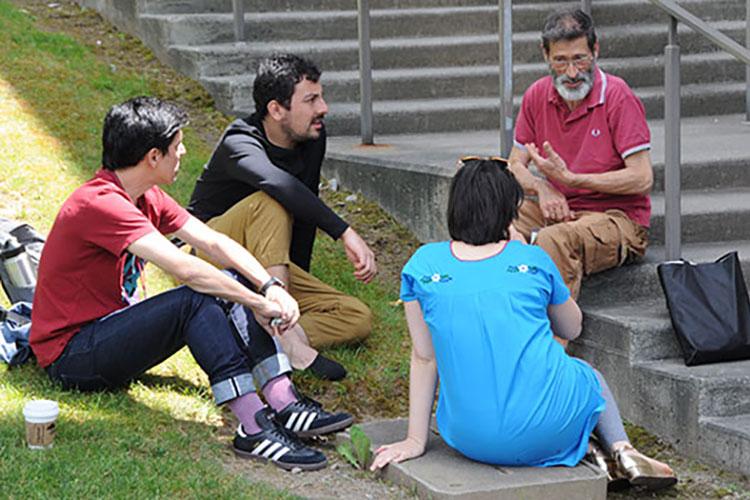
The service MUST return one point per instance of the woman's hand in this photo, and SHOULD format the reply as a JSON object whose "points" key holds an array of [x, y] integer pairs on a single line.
{"points": [[396, 452]]}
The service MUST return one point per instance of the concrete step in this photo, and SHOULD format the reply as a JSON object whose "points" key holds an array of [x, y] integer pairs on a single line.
{"points": [[474, 113], [225, 6], [203, 28], [640, 282], [235, 91], [638, 329], [702, 410], [443, 473], [706, 216], [196, 29], [440, 51], [730, 436]]}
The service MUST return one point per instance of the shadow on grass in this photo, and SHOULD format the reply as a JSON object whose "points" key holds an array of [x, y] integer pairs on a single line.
{"points": [[147, 441]]}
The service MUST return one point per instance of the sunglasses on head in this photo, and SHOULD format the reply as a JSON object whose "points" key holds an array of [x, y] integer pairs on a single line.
{"points": [[501, 162]]}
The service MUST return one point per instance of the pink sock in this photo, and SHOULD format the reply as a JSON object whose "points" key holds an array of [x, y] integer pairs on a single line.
{"points": [[279, 393], [244, 408]]}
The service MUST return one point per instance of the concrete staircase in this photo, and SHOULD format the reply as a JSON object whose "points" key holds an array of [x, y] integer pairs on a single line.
{"points": [[435, 84], [435, 61]]}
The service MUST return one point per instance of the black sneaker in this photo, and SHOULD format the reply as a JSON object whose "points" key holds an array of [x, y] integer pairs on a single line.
{"points": [[274, 444], [307, 418]]}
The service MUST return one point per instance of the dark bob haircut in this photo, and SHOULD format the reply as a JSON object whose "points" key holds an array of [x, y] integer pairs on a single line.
{"points": [[483, 201], [568, 25], [276, 77], [133, 128]]}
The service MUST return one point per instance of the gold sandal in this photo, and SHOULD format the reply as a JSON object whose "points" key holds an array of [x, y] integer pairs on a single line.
{"points": [[616, 481], [640, 472]]}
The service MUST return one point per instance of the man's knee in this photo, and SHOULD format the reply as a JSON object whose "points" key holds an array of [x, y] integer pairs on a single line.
{"points": [[261, 205], [557, 238], [360, 318]]}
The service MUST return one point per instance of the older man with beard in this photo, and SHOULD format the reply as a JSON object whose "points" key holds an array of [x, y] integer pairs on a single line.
{"points": [[586, 133]]}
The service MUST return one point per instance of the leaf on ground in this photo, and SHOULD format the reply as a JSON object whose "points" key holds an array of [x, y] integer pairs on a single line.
{"points": [[362, 446], [347, 452]]}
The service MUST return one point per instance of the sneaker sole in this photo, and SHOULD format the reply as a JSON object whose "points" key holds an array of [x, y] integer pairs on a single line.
{"points": [[281, 465], [328, 429]]}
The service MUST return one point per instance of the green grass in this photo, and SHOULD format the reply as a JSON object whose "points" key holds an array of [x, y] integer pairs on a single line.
{"points": [[161, 436]]}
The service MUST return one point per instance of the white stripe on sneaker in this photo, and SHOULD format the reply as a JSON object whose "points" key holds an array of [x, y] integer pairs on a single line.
{"points": [[290, 422], [300, 421], [280, 453], [262, 446], [271, 449], [309, 422]]}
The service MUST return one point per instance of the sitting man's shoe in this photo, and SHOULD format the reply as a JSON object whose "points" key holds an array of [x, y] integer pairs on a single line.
{"points": [[274, 444], [642, 472], [307, 418]]}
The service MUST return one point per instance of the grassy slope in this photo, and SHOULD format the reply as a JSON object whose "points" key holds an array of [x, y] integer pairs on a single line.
{"points": [[161, 436]]}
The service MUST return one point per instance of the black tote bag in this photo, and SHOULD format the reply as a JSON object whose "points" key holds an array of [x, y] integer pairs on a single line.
{"points": [[709, 307]]}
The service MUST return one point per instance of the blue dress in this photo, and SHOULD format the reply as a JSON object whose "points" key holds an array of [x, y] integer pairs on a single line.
{"points": [[509, 394]]}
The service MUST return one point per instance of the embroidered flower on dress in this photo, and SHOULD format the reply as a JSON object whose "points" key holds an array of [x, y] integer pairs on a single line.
{"points": [[523, 268], [435, 278]]}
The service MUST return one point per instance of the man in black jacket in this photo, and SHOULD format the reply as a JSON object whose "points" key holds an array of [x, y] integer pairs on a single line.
{"points": [[260, 187]]}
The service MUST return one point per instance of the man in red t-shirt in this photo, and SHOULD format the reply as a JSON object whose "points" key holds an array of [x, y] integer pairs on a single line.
{"points": [[586, 133], [90, 331]]}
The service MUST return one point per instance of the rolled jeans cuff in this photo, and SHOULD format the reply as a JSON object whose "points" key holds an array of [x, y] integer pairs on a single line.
{"points": [[270, 368], [233, 387]]}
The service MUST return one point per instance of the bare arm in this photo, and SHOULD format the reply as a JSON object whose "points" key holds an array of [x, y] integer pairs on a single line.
{"points": [[199, 275], [422, 383], [230, 254], [565, 319], [223, 250], [635, 178]]}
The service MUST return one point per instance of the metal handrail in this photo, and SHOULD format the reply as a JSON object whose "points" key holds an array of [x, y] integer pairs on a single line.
{"points": [[238, 9], [505, 40], [365, 72], [672, 112]]}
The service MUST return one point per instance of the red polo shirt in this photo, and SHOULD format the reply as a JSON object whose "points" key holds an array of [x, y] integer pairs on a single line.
{"points": [[82, 273], [596, 137]]}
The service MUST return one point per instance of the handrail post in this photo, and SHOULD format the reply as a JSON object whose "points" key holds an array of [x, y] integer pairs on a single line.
{"points": [[747, 67], [365, 72], [238, 8], [586, 6], [505, 24], [672, 209]]}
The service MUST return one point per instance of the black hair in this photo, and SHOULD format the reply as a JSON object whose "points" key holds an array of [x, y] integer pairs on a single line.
{"points": [[133, 128], [568, 25], [483, 201], [276, 77]]}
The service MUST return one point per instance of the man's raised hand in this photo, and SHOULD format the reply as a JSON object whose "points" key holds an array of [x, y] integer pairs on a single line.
{"points": [[360, 255]]}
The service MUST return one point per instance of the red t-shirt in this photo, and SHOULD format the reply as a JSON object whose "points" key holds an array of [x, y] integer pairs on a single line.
{"points": [[85, 270], [595, 137]]}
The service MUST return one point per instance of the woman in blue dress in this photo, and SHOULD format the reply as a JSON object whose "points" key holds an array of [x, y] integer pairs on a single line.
{"points": [[482, 310]]}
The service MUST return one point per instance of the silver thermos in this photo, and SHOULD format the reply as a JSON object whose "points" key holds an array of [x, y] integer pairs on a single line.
{"points": [[17, 264]]}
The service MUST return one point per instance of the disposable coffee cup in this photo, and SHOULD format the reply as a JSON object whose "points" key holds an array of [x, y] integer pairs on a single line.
{"points": [[40, 416]]}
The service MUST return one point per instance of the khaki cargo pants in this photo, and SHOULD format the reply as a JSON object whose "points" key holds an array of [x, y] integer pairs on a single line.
{"points": [[595, 241], [261, 225]]}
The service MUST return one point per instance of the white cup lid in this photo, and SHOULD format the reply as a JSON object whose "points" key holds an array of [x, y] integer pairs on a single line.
{"points": [[42, 410]]}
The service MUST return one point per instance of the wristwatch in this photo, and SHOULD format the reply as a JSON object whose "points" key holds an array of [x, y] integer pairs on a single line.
{"points": [[274, 281]]}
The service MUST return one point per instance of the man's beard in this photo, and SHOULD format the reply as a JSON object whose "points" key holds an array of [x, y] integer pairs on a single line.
{"points": [[576, 94], [307, 135]]}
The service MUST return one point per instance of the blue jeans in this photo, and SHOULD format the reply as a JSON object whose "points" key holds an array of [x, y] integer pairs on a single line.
{"points": [[224, 338]]}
